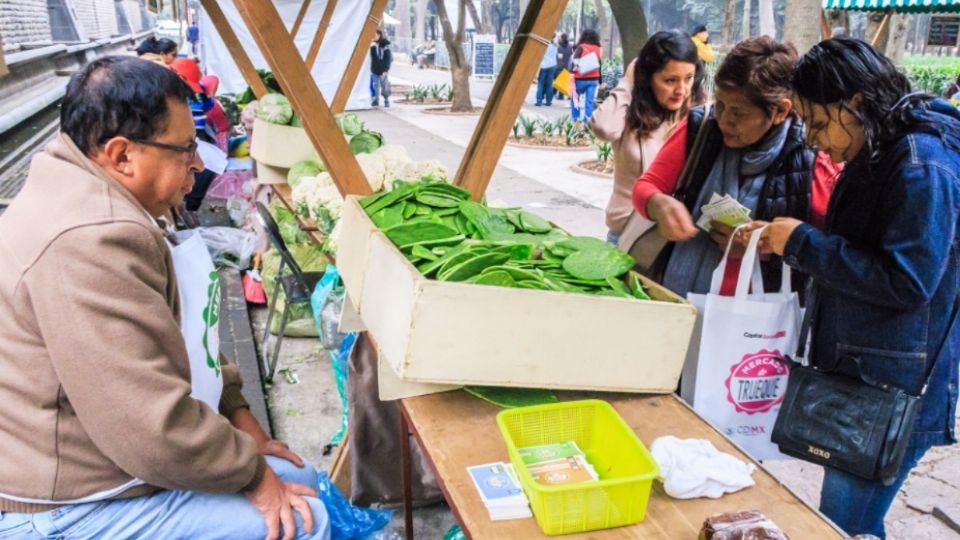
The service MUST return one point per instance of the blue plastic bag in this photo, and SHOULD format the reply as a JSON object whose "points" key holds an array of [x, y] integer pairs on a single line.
{"points": [[348, 522], [325, 292]]}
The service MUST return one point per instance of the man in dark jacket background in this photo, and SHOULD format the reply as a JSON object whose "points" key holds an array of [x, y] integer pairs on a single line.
{"points": [[380, 60]]}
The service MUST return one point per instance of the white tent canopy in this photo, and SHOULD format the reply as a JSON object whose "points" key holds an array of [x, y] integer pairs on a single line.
{"points": [[328, 70]]}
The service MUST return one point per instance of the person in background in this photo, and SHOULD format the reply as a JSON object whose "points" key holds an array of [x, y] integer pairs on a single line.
{"points": [[200, 105], [754, 151], [548, 70], [586, 75], [193, 36], [886, 271], [638, 115], [702, 39], [564, 57], [160, 50], [106, 431], [426, 53], [380, 61]]}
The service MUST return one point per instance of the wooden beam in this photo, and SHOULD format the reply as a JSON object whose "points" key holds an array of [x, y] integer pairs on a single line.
{"points": [[300, 15], [239, 55], [321, 31], [271, 36], [825, 29], [519, 68], [359, 55], [883, 26]]}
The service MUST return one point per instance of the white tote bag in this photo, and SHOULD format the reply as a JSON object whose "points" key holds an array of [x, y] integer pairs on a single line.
{"points": [[199, 288], [737, 369]]}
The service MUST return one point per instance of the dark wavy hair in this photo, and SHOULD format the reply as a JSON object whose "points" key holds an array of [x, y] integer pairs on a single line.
{"points": [[589, 36], [157, 46], [645, 113], [119, 96], [835, 70], [761, 68]]}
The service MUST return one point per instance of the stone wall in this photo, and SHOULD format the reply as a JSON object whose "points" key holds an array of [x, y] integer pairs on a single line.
{"points": [[24, 21], [98, 17]]}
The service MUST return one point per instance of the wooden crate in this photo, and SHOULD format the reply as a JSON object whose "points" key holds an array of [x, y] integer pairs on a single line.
{"points": [[456, 333], [279, 146]]}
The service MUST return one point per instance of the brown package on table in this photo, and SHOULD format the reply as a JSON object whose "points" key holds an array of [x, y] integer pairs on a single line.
{"points": [[750, 525]]}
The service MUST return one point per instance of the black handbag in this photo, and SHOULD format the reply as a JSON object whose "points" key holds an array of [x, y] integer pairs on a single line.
{"points": [[839, 421]]}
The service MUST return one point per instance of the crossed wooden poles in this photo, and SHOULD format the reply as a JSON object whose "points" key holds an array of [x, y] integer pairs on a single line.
{"points": [[293, 73]]}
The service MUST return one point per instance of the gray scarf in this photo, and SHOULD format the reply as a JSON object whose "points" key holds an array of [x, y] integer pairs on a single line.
{"points": [[741, 174]]}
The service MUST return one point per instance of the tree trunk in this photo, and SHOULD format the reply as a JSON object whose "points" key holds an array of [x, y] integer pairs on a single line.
{"points": [[487, 16], [839, 18], [605, 37], [768, 25], [459, 66], [402, 12], [421, 21], [474, 16], [726, 35], [797, 26], [614, 38], [747, 31], [897, 44], [632, 23]]}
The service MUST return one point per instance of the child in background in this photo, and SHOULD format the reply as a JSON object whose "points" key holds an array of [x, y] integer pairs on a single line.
{"points": [[200, 105]]}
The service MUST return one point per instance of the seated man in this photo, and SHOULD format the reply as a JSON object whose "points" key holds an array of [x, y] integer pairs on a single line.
{"points": [[100, 436]]}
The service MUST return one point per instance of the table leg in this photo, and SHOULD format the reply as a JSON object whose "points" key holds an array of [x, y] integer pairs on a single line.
{"points": [[406, 473]]}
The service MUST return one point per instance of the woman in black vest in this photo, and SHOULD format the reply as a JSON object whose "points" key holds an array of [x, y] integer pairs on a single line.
{"points": [[754, 151]]}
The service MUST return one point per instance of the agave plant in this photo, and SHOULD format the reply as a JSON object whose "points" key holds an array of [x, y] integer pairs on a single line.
{"points": [[604, 151], [546, 127], [436, 91], [516, 129], [449, 93], [418, 93], [577, 132], [529, 124]]}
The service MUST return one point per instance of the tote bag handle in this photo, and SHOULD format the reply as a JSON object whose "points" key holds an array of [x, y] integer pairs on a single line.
{"points": [[750, 275]]}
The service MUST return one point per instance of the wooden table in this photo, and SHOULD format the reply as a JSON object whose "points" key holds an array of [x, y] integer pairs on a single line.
{"points": [[457, 430]]}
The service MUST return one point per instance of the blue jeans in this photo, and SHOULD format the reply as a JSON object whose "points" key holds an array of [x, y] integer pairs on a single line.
{"points": [[545, 85], [167, 514], [858, 506], [613, 237], [586, 95]]}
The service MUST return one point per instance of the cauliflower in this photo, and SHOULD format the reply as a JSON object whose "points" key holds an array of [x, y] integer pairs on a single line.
{"points": [[333, 240], [373, 168]]}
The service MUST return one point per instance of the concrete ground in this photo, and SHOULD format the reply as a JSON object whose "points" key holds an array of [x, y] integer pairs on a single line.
{"points": [[306, 413]]}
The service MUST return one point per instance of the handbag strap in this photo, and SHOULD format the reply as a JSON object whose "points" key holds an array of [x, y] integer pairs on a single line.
{"points": [[808, 316], [694, 156]]}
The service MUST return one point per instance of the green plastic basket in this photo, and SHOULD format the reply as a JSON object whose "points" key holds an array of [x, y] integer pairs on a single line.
{"points": [[625, 467]]}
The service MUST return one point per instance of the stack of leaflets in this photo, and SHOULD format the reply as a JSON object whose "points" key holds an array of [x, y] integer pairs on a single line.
{"points": [[500, 491], [724, 210], [558, 464]]}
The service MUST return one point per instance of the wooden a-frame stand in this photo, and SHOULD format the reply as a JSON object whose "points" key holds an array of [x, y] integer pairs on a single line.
{"points": [[293, 73]]}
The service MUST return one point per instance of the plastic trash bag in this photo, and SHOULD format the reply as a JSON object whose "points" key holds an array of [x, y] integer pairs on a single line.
{"points": [[326, 302], [455, 533], [228, 246], [347, 521]]}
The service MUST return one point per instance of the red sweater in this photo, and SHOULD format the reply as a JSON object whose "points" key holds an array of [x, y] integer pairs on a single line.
{"points": [[662, 175], [586, 49]]}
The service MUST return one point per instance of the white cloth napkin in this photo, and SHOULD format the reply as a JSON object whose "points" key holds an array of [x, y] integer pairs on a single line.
{"points": [[691, 468]]}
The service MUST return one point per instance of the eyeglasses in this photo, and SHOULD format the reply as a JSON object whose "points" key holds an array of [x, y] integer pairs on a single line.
{"points": [[190, 150]]}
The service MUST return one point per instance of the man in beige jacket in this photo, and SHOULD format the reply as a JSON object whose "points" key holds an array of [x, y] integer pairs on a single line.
{"points": [[99, 434]]}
